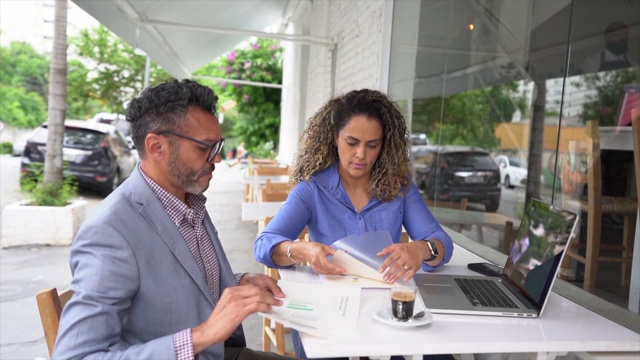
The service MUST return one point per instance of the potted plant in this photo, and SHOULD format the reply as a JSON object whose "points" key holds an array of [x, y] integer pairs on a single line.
{"points": [[51, 215]]}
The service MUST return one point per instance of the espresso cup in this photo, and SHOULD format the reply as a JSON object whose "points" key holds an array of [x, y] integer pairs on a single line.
{"points": [[403, 299]]}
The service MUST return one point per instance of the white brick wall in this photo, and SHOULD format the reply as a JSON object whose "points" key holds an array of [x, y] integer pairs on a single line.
{"points": [[357, 29]]}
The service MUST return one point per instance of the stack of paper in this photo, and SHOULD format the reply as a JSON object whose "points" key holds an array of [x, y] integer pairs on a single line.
{"points": [[320, 310]]}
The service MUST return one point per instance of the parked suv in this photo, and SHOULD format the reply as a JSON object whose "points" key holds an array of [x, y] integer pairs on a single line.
{"points": [[96, 154], [513, 172], [452, 173]]}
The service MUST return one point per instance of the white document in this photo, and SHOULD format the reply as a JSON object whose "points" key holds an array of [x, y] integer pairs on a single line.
{"points": [[358, 273], [321, 310]]}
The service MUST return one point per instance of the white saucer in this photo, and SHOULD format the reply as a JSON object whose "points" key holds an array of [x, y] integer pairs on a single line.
{"points": [[384, 316]]}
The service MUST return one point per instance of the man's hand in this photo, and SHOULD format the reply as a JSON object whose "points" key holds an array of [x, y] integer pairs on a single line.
{"points": [[262, 281], [235, 304]]}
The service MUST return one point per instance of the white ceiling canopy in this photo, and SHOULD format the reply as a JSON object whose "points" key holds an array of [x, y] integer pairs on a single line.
{"points": [[183, 36]]}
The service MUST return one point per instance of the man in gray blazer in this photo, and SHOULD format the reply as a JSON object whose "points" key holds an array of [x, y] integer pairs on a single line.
{"points": [[150, 277]]}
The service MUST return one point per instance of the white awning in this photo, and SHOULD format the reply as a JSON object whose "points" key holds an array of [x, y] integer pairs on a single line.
{"points": [[183, 36]]}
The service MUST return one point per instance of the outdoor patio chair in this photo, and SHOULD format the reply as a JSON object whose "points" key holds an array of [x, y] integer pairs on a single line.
{"points": [[595, 205], [274, 332], [50, 305], [460, 205]]}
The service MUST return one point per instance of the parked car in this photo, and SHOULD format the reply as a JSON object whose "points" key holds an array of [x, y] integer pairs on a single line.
{"points": [[21, 142], [417, 156], [96, 154], [121, 123], [452, 173], [513, 172], [117, 120]]}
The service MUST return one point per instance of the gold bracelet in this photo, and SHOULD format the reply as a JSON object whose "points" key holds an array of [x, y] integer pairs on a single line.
{"points": [[289, 253]]}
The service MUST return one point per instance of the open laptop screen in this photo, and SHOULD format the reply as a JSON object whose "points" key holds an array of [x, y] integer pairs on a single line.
{"points": [[538, 249]]}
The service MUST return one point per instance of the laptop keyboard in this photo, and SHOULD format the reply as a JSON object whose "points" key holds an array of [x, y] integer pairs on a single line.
{"points": [[485, 293]]}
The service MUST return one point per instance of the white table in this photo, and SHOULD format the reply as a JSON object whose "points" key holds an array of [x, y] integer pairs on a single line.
{"points": [[252, 182], [564, 327], [262, 179], [256, 211]]}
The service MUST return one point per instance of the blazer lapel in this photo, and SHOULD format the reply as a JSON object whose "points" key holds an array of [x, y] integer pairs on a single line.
{"points": [[155, 214]]}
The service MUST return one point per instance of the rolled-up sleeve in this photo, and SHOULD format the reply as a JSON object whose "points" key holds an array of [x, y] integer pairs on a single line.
{"points": [[421, 224], [286, 225]]}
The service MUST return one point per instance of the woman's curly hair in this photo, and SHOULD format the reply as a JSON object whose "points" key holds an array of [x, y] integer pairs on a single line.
{"points": [[318, 149]]}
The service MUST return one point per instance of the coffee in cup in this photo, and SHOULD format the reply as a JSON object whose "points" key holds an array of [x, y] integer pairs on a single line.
{"points": [[403, 299]]}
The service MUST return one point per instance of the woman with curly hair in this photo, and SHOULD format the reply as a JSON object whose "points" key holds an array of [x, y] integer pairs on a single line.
{"points": [[352, 176]]}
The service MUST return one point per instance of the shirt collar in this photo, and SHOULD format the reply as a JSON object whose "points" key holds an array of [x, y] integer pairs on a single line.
{"points": [[176, 209]]}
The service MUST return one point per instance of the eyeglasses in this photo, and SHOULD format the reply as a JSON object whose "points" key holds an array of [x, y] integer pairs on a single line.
{"points": [[214, 149]]}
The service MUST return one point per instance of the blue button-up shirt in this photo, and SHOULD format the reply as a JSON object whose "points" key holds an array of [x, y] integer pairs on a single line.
{"points": [[323, 205]]}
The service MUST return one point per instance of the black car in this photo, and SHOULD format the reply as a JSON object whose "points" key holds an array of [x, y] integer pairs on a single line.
{"points": [[96, 154], [452, 173]]}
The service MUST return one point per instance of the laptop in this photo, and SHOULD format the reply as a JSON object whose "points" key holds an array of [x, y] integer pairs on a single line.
{"points": [[524, 286]]}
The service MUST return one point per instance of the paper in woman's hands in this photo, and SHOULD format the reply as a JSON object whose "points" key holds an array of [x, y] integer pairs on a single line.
{"points": [[358, 255]]}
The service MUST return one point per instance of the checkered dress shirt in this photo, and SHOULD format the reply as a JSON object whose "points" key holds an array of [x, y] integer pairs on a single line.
{"points": [[189, 221]]}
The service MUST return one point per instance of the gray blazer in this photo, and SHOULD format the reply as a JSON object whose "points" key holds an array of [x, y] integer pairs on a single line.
{"points": [[135, 282]]}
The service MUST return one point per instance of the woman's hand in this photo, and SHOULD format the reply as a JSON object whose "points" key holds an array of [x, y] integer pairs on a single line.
{"points": [[316, 254], [404, 260]]}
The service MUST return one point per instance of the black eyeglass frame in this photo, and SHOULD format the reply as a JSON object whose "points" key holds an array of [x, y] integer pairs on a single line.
{"points": [[215, 148]]}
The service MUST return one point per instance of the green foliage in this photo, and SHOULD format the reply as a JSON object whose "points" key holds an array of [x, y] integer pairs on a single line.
{"points": [[115, 71], [80, 104], [20, 108], [40, 194], [609, 88], [258, 122], [6, 147], [21, 66], [469, 118], [23, 85]]}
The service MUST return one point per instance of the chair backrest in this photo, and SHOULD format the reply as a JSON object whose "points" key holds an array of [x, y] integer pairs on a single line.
{"points": [[274, 187], [510, 233], [461, 205], [594, 171], [635, 124], [265, 196], [254, 162], [262, 170], [50, 305]]}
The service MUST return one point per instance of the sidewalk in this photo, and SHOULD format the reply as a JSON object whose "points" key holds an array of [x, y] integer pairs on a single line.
{"points": [[26, 270]]}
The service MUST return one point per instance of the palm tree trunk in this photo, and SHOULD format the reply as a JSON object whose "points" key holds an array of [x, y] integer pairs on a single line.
{"points": [[536, 142], [57, 97]]}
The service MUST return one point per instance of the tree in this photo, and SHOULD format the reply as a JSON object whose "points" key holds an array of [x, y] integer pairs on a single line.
{"points": [[20, 108], [609, 87], [53, 178], [258, 123], [468, 118], [21, 66], [115, 71], [80, 105], [23, 85]]}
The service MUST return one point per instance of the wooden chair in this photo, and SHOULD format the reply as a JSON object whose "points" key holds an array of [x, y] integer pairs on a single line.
{"points": [[595, 205], [274, 187], [510, 233], [264, 170], [264, 195], [252, 166], [461, 205], [274, 332], [50, 305]]}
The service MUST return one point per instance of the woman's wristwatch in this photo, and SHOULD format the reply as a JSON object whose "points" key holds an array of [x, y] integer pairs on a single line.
{"points": [[433, 249]]}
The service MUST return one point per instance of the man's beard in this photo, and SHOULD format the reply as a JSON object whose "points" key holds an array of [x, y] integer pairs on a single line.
{"points": [[186, 177]]}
